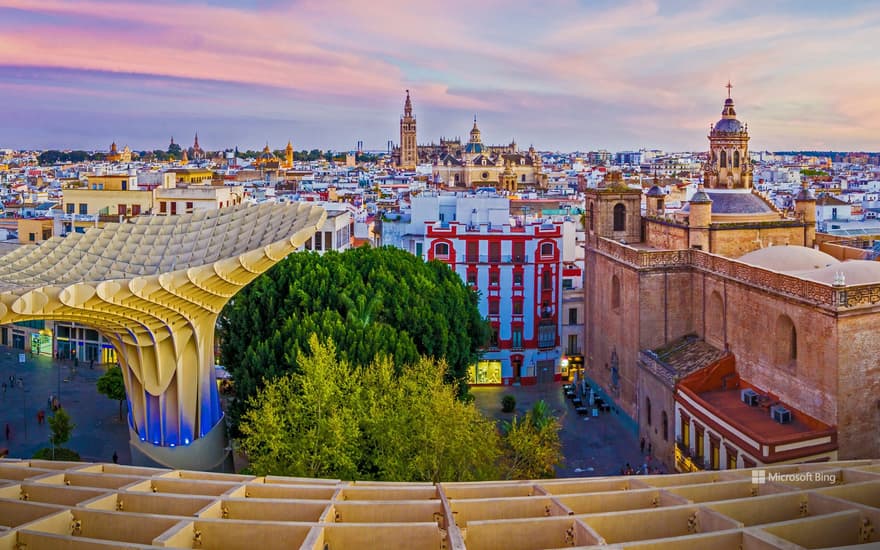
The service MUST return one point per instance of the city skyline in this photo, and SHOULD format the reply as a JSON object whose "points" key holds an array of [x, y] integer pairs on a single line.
{"points": [[576, 76]]}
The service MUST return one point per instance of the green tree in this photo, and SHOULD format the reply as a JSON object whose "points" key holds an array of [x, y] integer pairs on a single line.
{"points": [[369, 301], [332, 419], [112, 385], [60, 427], [531, 444]]}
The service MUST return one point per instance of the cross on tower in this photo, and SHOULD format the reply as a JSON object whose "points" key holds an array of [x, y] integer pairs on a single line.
{"points": [[729, 86]]}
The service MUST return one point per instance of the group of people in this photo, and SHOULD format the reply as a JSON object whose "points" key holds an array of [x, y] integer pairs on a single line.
{"points": [[644, 469], [12, 382]]}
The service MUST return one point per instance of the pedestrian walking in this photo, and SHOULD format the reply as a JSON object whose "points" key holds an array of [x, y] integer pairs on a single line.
{"points": [[115, 458]]}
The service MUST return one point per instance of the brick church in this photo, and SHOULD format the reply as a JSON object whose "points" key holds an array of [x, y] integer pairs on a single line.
{"points": [[719, 327]]}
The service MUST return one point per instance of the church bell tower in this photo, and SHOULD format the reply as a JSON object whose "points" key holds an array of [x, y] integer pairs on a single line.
{"points": [[409, 155], [728, 165]]}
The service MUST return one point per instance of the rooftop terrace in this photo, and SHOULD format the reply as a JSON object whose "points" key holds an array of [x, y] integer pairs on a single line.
{"points": [[98, 506]]}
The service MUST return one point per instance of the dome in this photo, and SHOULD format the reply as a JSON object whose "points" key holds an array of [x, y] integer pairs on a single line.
{"points": [[728, 125], [655, 191], [700, 197], [805, 194], [855, 272], [791, 258]]}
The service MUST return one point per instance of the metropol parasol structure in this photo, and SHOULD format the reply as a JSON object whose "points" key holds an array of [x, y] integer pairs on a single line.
{"points": [[154, 288]]}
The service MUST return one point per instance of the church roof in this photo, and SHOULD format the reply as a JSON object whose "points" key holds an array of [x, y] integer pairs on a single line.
{"points": [[830, 200], [737, 203], [473, 147], [449, 159], [789, 258], [855, 272]]}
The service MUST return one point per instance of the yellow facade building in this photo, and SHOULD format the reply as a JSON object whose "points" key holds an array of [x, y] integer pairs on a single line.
{"points": [[115, 155]]}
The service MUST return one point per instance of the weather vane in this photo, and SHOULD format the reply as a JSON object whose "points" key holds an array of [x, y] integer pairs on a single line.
{"points": [[729, 86]]}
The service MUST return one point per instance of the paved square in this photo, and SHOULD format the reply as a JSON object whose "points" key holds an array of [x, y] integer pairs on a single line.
{"points": [[592, 446], [98, 432]]}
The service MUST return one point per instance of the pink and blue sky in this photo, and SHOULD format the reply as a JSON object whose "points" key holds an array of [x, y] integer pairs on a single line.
{"points": [[562, 75]]}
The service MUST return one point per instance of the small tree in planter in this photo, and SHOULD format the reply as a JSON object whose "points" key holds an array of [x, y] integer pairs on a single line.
{"points": [[508, 403]]}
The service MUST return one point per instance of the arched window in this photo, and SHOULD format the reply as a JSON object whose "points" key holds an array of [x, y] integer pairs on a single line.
{"points": [[523, 178], [648, 410], [546, 249], [723, 162], [619, 217], [664, 418], [441, 250], [592, 210], [736, 159], [786, 336], [615, 292]]}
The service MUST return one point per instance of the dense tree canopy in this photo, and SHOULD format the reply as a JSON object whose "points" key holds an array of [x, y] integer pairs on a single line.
{"points": [[369, 301], [336, 420]]}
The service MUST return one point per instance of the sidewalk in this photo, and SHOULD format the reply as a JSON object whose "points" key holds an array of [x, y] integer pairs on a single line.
{"points": [[592, 446], [98, 432]]}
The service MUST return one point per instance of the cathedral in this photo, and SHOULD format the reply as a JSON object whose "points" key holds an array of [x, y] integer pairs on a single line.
{"points": [[477, 165], [115, 155], [720, 330], [469, 165]]}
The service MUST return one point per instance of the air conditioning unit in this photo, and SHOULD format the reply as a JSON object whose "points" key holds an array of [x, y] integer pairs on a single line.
{"points": [[780, 414], [749, 397]]}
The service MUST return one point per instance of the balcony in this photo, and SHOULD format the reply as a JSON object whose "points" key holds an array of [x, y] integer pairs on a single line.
{"points": [[496, 259]]}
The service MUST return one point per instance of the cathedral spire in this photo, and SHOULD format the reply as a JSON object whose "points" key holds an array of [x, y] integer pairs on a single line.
{"points": [[407, 106]]}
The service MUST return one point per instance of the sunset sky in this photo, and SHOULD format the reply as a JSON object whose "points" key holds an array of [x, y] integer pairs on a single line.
{"points": [[562, 75]]}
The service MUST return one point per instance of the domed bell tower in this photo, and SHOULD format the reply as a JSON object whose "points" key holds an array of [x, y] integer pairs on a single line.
{"points": [[728, 165]]}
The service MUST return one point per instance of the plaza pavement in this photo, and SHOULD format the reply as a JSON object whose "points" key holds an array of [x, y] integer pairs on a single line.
{"points": [[98, 432], [592, 446]]}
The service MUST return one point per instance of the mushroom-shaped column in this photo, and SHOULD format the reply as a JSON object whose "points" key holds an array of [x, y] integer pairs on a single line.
{"points": [[155, 289]]}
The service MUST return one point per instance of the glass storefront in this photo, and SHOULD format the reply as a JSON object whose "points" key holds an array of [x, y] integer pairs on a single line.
{"points": [[485, 372], [41, 343]]}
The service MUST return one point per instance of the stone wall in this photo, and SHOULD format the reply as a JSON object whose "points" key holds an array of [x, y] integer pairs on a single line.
{"points": [[734, 242], [665, 235], [662, 401], [858, 385]]}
